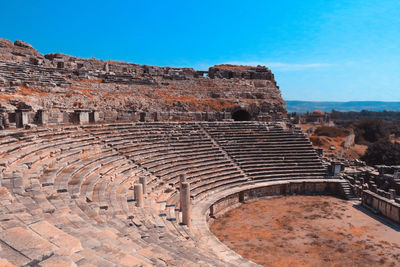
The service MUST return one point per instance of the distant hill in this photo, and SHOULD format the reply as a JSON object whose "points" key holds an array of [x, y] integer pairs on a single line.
{"points": [[326, 106]]}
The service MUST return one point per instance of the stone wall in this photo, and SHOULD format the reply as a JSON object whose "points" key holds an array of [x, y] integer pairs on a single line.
{"points": [[62, 82], [241, 72], [57, 117], [381, 205], [280, 189]]}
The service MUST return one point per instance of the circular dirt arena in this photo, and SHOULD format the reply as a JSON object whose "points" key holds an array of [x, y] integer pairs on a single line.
{"points": [[309, 231]]}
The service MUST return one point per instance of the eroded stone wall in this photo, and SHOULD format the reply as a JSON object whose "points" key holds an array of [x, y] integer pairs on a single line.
{"points": [[279, 189], [384, 206], [61, 83]]}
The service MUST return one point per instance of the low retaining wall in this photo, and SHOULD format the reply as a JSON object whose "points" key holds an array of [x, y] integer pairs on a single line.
{"points": [[221, 201], [280, 189], [381, 205], [59, 117]]}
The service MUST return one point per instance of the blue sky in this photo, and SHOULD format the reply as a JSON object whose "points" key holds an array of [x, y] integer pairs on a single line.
{"points": [[318, 50]]}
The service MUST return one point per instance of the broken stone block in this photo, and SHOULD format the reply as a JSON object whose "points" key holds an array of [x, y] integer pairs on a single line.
{"points": [[27, 243], [21, 118], [58, 261], [22, 44], [56, 236]]}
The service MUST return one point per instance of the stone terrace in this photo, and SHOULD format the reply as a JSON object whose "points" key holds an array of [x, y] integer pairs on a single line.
{"points": [[121, 91], [67, 192]]}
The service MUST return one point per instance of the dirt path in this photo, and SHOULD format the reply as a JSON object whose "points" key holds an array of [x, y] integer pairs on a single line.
{"points": [[308, 231]]}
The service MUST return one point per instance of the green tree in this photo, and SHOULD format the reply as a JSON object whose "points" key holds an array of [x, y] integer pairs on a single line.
{"points": [[371, 130], [382, 152]]}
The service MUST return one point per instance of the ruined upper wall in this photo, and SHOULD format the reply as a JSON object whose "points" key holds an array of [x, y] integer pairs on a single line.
{"points": [[19, 52], [58, 81], [23, 52], [241, 72]]}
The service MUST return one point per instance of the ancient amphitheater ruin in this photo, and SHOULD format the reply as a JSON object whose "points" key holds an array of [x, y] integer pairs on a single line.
{"points": [[117, 164]]}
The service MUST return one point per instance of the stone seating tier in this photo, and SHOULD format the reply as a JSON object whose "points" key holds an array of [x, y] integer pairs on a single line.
{"points": [[68, 191]]}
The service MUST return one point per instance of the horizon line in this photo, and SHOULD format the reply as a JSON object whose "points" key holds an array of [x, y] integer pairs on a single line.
{"points": [[335, 101]]}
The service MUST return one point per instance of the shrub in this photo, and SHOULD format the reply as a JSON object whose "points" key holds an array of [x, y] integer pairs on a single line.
{"points": [[315, 141], [371, 130], [329, 131], [382, 152]]}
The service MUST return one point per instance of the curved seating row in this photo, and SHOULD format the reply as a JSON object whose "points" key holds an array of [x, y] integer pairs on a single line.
{"points": [[68, 191]]}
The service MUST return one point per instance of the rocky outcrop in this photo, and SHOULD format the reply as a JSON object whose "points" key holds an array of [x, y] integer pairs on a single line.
{"points": [[241, 72], [59, 82], [22, 44], [19, 52]]}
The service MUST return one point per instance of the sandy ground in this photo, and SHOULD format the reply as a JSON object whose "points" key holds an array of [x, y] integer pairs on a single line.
{"points": [[309, 231]]}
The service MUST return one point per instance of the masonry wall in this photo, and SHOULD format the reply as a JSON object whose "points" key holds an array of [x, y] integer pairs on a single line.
{"points": [[282, 189], [62, 82], [384, 206], [54, 117]]}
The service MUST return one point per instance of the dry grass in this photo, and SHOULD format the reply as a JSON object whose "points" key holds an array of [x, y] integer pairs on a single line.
{"points": [[163, 92], [90, 81], [200, 104], [85, 92], [31, 91], [7, 97]]}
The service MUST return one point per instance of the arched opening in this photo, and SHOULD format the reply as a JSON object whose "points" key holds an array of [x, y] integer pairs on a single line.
{"points": [[241, 115]]}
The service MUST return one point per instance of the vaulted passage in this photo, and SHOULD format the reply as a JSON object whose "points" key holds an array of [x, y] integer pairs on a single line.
{"points": [[241, 115]]}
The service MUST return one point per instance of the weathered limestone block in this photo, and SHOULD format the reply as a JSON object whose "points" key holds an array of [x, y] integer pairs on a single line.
{"points": [[155, 116], [374, 188], [138, 189], [241, 197], [143, 116], [65, 118], [182, 179], [81, 116], [392, 194], [27, 243], [22, 44], [60, 65], [63, 240], [5, 43], [335, 168], [21, 118], [3, 81], [244, 72], [110, 115], [5, 263], [125, 115], [43, 117], [197, 116], [58, 261], [94, 117], [186, 205], [143, 182]]}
